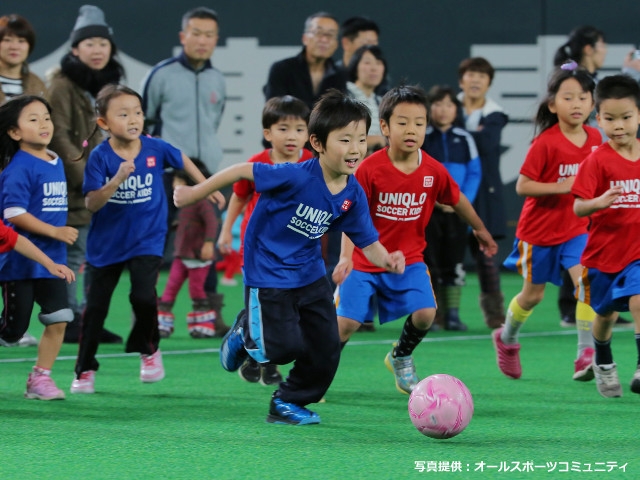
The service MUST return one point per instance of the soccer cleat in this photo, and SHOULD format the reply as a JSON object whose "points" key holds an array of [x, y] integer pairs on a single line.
{"points": [[607, 381], [165, 323], [201, 324], [404, 371], [508, 356], [84, 384], [635, 381], [583, 367], [269, 374], [232, 352], [151, 368], [290, 414], [249, 371], [42, 387]]}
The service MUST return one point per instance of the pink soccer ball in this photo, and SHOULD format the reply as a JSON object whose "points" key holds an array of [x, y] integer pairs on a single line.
{"points": [[440, 406]]}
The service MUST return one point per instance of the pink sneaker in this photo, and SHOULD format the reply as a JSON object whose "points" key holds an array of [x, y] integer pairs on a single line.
{"points": [[42, 387], [508, 355], [84, 384], [151, 369], [583, 366]]}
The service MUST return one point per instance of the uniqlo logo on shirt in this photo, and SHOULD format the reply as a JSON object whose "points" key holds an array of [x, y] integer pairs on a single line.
{"points": [[346, 205], [427, 181], [151, 162]]}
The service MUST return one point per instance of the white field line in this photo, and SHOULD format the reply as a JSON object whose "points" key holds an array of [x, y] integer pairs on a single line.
{"points": [[352, 343]]}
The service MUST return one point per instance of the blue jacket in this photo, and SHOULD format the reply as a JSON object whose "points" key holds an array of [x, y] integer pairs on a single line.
{"points": [[457, 151]]}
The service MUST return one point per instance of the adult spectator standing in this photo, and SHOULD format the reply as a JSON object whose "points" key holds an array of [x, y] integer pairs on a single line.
{"points": [[312, 72], [84, 70], [171, 90], [17, 39], [307, 76], [356, 32], [485, 119]]}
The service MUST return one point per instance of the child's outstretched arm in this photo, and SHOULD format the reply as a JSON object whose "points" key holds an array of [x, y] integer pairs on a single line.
{"points": [[25, 247], [584, 207], [465, 211], [526, 187], [183, 195], [196, 175], [31, 224], [379, 256], [236, 204], [96, 199]]}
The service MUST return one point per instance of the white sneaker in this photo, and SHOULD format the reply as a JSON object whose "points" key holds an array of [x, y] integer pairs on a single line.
{"points": [[635, 381], [84, 384], [27, 340], [607, 381], [151, 368]]}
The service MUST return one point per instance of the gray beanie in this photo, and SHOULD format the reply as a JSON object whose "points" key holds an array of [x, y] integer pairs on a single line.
{"points": [[90, 23]]}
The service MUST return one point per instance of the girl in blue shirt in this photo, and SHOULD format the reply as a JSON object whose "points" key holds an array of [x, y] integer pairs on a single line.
{"points": [[123, 189]]}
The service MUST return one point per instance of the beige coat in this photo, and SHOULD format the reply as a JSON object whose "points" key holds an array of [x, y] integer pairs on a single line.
{"points": [[73, 120]]}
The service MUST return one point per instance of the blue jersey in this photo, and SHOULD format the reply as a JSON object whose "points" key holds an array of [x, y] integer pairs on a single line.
{"points": [[282, 241], [40, 187], [133, 222]]}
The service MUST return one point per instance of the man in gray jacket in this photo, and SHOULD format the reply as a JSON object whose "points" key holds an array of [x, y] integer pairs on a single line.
{"points": [[183, 100], [184, 96]]}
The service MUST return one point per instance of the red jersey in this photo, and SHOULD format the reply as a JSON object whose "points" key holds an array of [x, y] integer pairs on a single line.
{"points": [[8, 238], [246, 189], [401, 204], [549, 220], [614, 232]]}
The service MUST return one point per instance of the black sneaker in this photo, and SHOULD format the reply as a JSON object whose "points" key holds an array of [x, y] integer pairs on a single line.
{"points": [[290, 414], [249, 371], [269, 374]]}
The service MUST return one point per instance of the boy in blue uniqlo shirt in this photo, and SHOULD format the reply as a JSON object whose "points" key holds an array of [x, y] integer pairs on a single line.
{"points": [[289, 314]]}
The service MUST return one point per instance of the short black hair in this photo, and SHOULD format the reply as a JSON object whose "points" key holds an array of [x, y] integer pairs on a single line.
{"points": [[402, 94], [352, 27], [438, 93], [352, 68], [182, 174], [199, 12], [476, 64], [617, 87], [279, 108], [335, 110], [20, 27]]}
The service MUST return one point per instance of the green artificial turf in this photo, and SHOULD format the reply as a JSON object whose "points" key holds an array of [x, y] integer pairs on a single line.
{"points": [[203, 422]]}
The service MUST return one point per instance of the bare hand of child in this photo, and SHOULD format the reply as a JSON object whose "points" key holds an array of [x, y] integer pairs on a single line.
{"points": [[224, 242], [62, 271], [67, 235], [609, 197], [396, 262], [124, 170], [207, 252], [342, 270], [488, 245], [183, 196], [566, 184], [218, 199]]}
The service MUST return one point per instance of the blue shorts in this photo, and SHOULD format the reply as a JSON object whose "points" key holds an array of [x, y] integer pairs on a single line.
{"points": [[395, 295], [609, 292], [540, 265]]}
